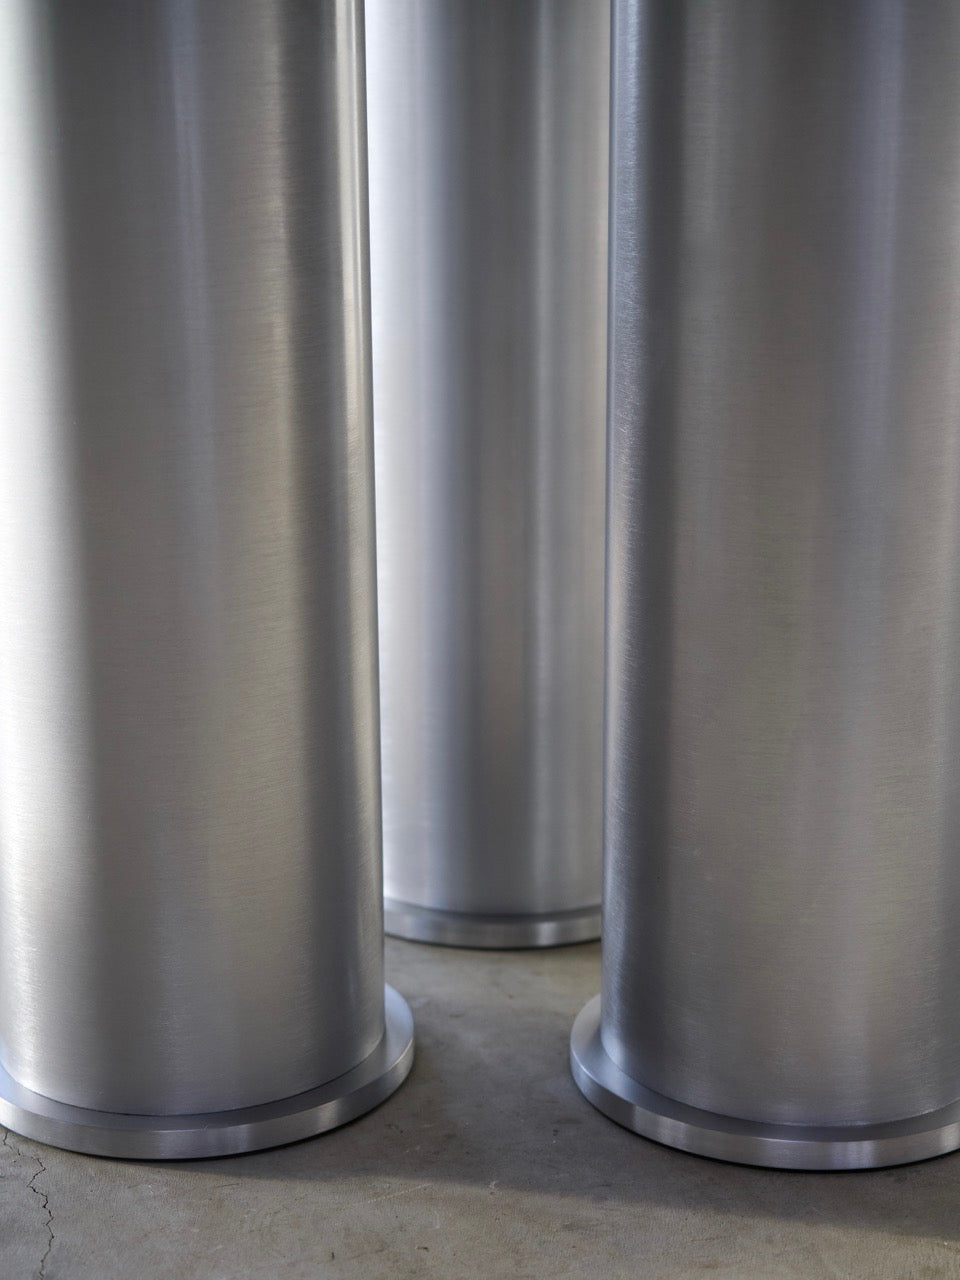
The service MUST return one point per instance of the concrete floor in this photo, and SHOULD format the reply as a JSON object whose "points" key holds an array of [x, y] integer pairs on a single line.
{"points": [[487, 1163]]}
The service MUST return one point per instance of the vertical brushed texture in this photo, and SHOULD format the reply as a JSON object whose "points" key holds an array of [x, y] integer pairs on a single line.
{"points": [[488, 173], [782, 838], [189, 792]]}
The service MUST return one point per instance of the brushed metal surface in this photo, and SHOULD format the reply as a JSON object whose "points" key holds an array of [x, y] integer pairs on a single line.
{"points": [[468, 929], [782, 917], [224, 1133], [777, 1146], [190, 884], [488, 127]]}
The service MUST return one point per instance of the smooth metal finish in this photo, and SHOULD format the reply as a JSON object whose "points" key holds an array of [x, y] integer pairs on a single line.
{"points": [[489, 127], [271, 1124], [190, 885], [779, 1146], [782, 918], [451, 929]]}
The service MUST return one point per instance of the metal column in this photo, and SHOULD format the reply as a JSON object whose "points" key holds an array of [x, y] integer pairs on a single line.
{"points": [[489, 128], [781, 980], [190, 841]]}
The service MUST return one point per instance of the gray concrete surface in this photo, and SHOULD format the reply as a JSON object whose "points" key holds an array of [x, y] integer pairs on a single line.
{"points": [[487, 1163]]}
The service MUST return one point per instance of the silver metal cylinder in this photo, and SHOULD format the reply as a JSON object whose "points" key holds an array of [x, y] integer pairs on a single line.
{"points": [[781, 975], [488, 128], [190, 885]]}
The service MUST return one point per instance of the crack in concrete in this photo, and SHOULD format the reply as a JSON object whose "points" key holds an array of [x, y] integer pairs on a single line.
{"points": [[41, 1195], [45, 1205]]}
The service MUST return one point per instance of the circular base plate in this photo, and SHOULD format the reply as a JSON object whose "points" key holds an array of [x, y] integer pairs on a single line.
{"points": [[220, 1133], [458, 929], [778, 1146]]}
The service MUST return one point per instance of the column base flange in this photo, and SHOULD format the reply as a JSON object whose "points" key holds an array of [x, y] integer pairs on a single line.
{"points": [[777, 1146], [489, 932], [222, 1133]]}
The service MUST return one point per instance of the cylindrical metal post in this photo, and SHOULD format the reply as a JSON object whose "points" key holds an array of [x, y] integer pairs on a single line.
{"points": [[781, 978], [190, 886], [488, 194]]}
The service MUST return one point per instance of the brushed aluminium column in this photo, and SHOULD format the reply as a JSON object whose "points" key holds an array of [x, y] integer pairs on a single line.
{"points": [[781, 980], [488, 128], [190, 885]]}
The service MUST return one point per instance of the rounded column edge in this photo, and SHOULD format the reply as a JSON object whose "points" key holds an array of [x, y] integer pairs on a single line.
{"points": [[775, 1146], [219, 1133], [489, 932]]}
